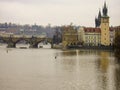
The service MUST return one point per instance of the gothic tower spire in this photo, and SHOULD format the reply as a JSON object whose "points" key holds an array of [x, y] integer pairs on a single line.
{"points": [[99, 15], [99, 18], [96, 22], [105, 10]]}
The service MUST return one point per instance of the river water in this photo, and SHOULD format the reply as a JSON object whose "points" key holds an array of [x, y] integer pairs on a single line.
{"points": [[51, 69]]}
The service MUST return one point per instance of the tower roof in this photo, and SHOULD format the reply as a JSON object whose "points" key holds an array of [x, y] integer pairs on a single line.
{"points": [[99, 14], [105, 10]]}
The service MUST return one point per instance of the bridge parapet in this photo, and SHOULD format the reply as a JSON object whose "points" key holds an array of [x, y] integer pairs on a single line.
{"points": [[33, 41]]}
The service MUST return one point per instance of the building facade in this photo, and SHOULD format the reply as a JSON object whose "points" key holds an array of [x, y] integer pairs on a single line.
{"points": [[69, 36], [101, 35], [117, 30], [81, 33], [112, 35], [92, 36], [117, 40], [105, 32]]}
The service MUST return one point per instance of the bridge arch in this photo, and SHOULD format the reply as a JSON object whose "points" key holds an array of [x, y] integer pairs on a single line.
{"points": [[45, 40], [33, 41], [3, 42], [22, 42]]}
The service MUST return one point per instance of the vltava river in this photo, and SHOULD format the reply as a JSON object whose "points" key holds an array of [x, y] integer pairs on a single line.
{"points": [[38, 69]]}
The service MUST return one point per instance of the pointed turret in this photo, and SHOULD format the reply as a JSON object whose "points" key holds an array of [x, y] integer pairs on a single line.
{"points": [[96, 22], [105, 10], [99, 18], [99, 15]]}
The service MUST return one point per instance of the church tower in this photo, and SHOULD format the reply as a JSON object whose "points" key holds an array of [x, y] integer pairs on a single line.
{"points": [[105, 33]]}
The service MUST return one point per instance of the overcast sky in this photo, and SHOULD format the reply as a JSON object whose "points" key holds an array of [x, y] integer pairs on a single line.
{"points": [[57, 12]]}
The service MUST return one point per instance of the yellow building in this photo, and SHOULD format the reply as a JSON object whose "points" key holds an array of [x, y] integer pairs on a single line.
{"points": [[105, 32], [69, 36]]}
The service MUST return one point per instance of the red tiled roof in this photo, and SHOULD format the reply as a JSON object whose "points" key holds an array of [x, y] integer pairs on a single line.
{"points": [[92, 30]]}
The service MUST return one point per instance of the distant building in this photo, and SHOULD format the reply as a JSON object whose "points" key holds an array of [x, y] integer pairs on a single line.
{"points": [[92, 36], [101, 35], [105, 32], [117, 39], [102, 22], [112, 35], [81, 34], [117, 30], [69, 36]]}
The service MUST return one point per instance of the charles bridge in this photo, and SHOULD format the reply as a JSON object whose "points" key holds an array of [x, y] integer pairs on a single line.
{"points": [[33, 41]]}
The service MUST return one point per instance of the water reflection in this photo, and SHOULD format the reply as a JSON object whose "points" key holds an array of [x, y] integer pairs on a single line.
{"points": [[117, 77], [79, 52], [117, 70], [69, 53], [31, 69], [102, 65], [117, 55], [104, 62]]}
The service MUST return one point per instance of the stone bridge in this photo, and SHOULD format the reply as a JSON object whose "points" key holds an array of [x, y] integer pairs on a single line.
{"points": [[33, 41]]}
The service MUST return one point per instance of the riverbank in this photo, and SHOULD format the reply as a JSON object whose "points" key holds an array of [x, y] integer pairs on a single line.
{"points": [[111, 48]]}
